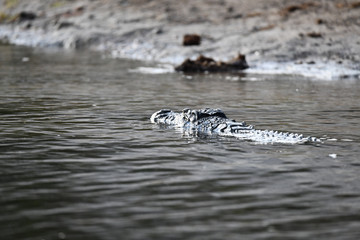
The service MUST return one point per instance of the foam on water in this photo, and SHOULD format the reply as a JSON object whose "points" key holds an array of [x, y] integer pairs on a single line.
{"points": [[320, 70], [161, 69]]}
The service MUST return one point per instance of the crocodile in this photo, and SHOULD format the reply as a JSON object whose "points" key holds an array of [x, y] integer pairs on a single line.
{"points": [[210, 121]]}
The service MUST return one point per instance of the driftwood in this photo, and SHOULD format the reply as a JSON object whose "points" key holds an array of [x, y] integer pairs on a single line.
{"points": [[191, 40], [206, 64]]}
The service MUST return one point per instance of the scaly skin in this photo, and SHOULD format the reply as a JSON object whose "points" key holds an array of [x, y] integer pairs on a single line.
{"points": [[214, 121]]}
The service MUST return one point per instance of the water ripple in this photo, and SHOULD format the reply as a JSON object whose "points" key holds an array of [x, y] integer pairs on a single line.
{"points": [[80, 158]]}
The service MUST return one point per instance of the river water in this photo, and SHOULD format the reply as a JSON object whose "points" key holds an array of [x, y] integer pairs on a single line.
{"points": [[79, 158]]}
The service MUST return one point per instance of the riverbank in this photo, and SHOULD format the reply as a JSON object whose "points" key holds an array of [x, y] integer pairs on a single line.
{"points": [[314, 39]]}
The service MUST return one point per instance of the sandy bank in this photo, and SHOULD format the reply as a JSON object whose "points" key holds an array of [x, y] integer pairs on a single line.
{"points": [[315, 39]]}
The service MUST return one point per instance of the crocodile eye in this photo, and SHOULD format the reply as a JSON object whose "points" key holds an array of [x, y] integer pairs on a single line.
{"points": [[186, 110], [185, 114], [193, 116]]}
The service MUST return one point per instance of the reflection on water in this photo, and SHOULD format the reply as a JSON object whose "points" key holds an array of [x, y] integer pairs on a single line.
{"points": [[80, 158]]}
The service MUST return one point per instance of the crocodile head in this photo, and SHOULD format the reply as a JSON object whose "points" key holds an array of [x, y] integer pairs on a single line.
{"points": [[195, 115], [167, 116]]}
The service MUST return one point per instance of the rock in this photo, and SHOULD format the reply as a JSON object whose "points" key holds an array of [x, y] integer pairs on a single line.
{"points": [[158, 31], [348, 5], [293, 8], [265, 28], [206, 64], [26, 16], [355, 5], [73, 13], [65, 25], [230, 9], [234, 16], [253, 14], [28, 26], [340, 5], [314, 35], [191, 40], [320, 21]]}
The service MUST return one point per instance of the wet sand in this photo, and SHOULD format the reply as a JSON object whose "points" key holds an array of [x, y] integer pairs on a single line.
{"points": [[310, 38]]}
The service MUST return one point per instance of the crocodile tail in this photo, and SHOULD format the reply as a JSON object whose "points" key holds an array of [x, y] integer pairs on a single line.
{"points": [[265, 136]]}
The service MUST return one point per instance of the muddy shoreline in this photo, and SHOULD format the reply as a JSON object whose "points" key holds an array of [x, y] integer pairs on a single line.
{"points": [[315, 39]]}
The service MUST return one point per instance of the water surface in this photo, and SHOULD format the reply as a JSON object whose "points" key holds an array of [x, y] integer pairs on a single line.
{"points": [[79, 158]]}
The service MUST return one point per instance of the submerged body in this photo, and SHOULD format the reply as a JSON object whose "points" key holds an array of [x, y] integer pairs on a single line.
{"points": [[214, 121]]}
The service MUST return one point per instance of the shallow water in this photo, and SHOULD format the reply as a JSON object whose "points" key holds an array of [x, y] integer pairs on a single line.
{"points": [[81, 160]]}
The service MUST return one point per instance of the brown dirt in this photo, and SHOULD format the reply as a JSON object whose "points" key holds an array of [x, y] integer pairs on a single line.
{"points": [[263, 30]]}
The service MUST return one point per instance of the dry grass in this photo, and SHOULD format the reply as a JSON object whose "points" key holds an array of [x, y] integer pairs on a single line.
{"points": [[11, 3]]}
